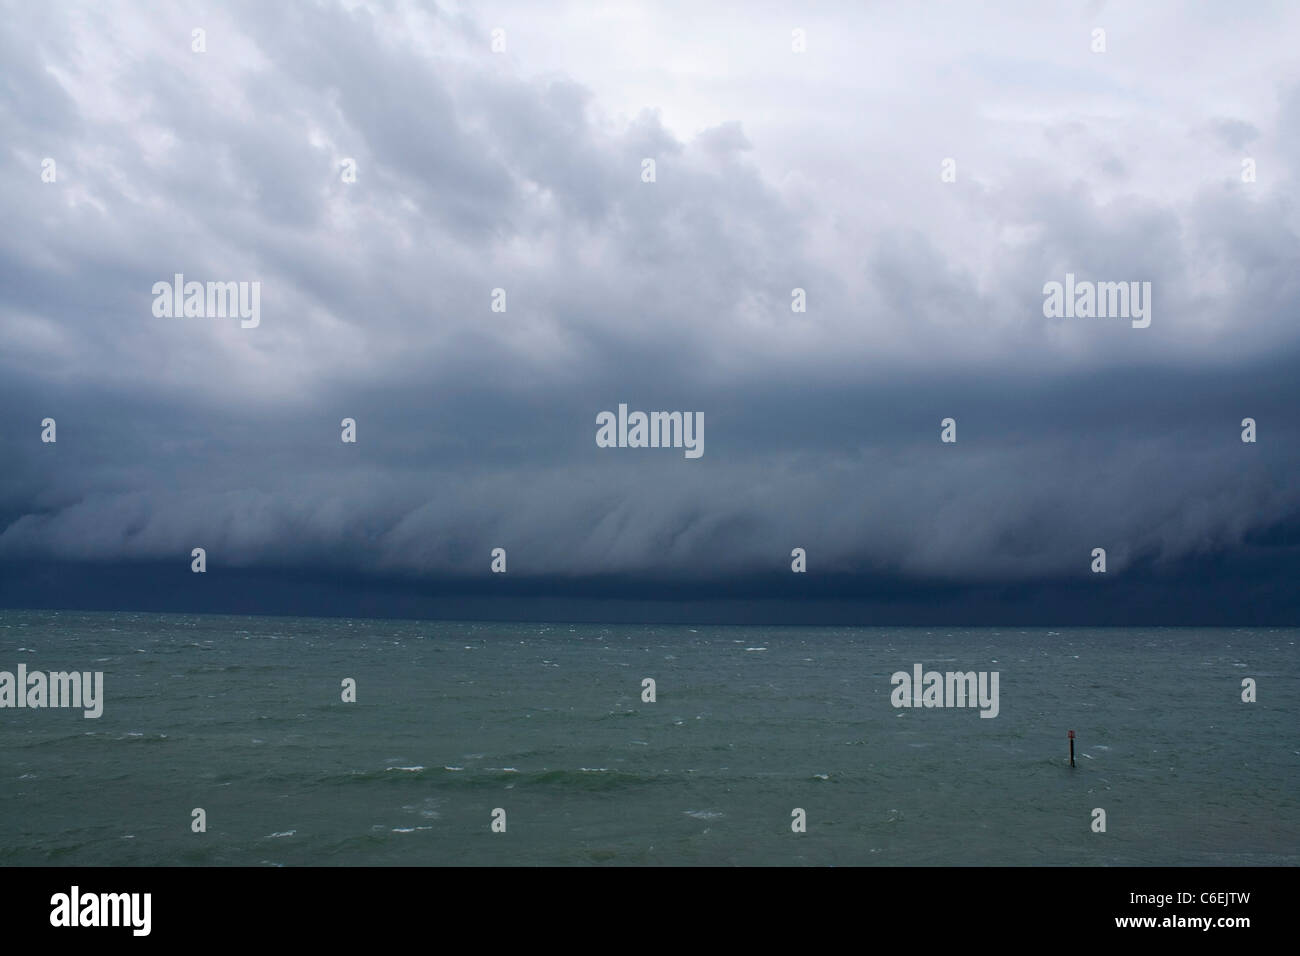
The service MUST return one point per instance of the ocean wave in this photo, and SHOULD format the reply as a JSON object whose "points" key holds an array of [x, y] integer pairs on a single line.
{"points": [[704, 814]]}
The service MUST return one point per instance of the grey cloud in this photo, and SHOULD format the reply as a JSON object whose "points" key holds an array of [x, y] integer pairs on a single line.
{"points": [[1235, 134], [477, 428]]}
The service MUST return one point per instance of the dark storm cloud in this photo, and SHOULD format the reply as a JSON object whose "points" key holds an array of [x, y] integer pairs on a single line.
{"points": [[476, 429], [1149, 466]]}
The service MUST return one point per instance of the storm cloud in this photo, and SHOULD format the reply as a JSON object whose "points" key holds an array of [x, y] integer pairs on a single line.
{"points": [[522, 170]]}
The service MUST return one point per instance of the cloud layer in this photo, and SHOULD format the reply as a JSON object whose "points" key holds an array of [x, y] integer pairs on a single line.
{"points": [[522, 171]]}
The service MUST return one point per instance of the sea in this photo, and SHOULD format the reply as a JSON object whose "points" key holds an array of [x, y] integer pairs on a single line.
{"points": [[227, 741]]}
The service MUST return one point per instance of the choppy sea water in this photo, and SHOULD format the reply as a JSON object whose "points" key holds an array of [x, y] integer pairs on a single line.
{"points": [[243, 717]]}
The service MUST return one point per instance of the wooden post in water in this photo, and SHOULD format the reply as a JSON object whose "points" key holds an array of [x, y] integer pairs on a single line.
{"points": [[1072, 748]]}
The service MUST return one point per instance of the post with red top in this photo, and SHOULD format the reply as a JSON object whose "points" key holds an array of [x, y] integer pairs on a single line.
{"points": [[1072, 748]]}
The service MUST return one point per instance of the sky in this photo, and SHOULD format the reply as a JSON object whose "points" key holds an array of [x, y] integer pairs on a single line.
{"points": [[919, 171]]}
